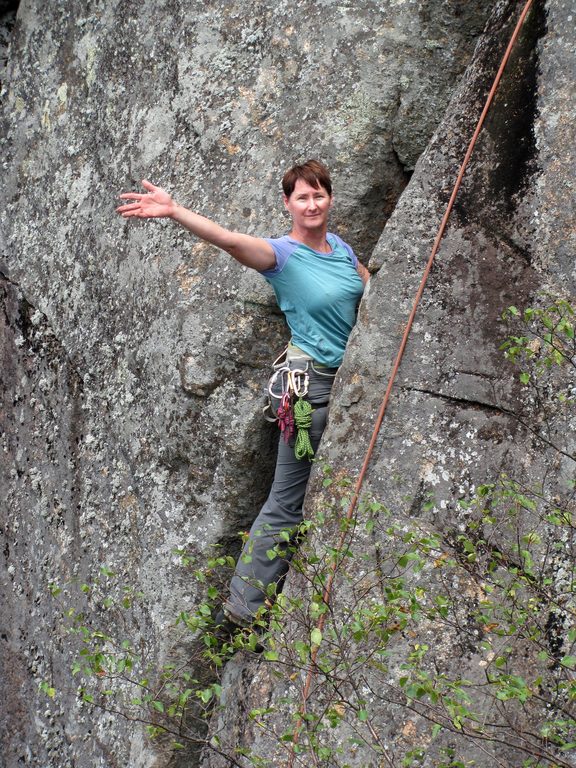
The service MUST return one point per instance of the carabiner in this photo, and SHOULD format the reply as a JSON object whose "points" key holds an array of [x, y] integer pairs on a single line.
{"points": [[284, 382], [298, 378]]}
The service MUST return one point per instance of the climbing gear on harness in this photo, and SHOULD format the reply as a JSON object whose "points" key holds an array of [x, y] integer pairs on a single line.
{"points": [[303, 420], [285, 417], [290, 415]]}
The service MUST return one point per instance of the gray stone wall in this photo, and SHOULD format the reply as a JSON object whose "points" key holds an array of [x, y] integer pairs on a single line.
{"points": [[457, 417], [133, 358]]}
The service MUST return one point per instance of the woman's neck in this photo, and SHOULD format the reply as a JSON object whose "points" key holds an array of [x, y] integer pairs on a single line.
{"points": [[315, 240]]}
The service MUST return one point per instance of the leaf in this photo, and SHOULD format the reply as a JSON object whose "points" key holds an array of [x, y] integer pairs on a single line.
{"points": [[48, 690], [205, 695], [436, 730], [316, 636]]}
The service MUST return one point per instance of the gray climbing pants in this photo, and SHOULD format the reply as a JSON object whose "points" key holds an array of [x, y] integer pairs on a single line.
{"points": [[257, 567]]}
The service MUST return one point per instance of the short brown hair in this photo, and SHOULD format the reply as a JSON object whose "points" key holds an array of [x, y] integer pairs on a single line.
{"points": [[313, 172]]}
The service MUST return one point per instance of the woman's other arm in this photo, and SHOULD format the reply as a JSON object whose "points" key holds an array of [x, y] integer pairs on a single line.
{"points": [[363, 272], [251, 251]]}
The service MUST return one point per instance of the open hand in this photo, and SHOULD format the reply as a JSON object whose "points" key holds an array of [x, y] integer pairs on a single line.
{"points": [[155, 203]]}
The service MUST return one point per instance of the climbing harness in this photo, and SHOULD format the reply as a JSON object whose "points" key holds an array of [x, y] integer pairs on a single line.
{"points": [[380, 417], [294, 413]]}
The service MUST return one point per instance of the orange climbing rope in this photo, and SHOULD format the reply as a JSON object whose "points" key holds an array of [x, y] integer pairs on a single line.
{"points": [[356, 495]]}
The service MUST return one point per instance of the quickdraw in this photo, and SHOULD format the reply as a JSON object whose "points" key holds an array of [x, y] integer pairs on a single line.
{"points": [[285, 417]]}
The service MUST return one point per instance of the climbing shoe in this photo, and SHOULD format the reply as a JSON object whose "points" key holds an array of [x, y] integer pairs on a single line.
{"points": [[235, 637], [224, 627]]}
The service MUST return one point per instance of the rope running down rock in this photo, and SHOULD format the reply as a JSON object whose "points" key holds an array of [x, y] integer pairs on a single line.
{"points": [[355, 498]]}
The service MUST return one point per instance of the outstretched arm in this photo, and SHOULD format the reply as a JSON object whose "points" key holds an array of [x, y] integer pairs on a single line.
{"points": [[251, 251]]}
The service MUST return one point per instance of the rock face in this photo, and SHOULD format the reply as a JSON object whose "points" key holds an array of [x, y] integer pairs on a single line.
{"points": [[133, 359], [457, 420]]}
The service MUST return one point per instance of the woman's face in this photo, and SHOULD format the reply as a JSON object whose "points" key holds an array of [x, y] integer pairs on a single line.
{"points": [[308, 206]]}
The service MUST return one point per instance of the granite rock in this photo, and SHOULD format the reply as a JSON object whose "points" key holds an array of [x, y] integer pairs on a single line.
{"points": [[133, 358]]}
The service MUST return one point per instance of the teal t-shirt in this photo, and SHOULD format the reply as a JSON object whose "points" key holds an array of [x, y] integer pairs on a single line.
{"points": [[318, 294]]}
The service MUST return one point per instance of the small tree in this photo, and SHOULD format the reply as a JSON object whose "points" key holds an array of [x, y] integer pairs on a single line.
{"points": [[500, 591]]}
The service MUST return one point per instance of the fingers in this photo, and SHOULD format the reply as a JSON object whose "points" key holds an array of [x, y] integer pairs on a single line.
{"points": [[128, 207], [138, 195], [136, 206], [130, 210], [131, 196]]}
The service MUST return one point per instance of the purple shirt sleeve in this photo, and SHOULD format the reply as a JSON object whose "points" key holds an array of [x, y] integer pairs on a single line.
{"points": [[282, 247], [347, 248]]}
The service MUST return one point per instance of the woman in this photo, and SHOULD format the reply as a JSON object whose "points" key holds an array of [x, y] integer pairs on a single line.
{"points": [[318, 282]]}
